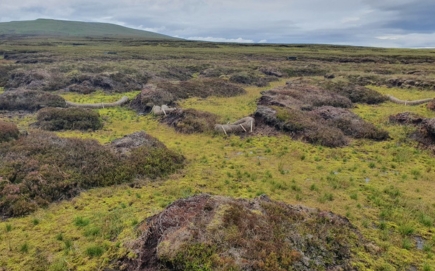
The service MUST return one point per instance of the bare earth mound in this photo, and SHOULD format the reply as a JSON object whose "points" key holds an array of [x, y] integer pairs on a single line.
{"points": [[218, 233]]}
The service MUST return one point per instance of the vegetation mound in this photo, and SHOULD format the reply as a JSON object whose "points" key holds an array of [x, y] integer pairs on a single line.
{"points": [[56, 119], [300, 125], [218, 233], [42, 168], [250, 78], [357, 94], [349, 123], [402, 81], [124, 146], [304, 96], [108, 82], [431, 105], [8, 131], [191, 121], [84, 83], [411, 83], [316, 115], [406, 118], [168, 93], [425, 132], [29, 100]]}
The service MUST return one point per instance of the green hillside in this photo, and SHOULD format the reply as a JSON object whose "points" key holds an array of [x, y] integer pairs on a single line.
{"points": [[59, 28]]}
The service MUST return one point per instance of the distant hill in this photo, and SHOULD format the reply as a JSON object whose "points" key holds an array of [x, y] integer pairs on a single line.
{"points": [[59, 28]]}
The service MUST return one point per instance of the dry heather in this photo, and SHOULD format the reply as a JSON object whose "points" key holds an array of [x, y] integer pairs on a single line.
{"points": [[425, 128], [357, 94], [42, 167], [218, 233], [250, 78], [431, 105], [56, 119], [190, 121], [8, 131], [316, 115], [29, 100], [168, 93], [84, 83]]}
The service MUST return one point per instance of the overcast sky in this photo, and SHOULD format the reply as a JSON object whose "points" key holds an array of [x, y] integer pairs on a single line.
{"points": [[385, 23]]}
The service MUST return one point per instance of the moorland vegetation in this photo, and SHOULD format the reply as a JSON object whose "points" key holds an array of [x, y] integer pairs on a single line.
{"points": [[85, 199]]}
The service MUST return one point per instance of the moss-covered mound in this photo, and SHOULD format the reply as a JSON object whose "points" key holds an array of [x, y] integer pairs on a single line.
{"points": [[314, 114], [29, 100], [218, 233], [8, 131], [190, 121], [55, 119], [42, 168], [168, 93]]}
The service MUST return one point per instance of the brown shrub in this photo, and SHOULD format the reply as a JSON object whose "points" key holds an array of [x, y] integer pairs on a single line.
{"points": [[431, 105], [82, 82], [349, 123], [29, 100], [357, 94], [42, 168], [4, 73], [108, 82], [218, 71], [406, 118], [326, 136], [313, 114], [8, 131], [191, 121], [299, 124], [247, 78], [177, 73], [311, 70], [202, 88], [309, 95], [55, 119], [168, 93], [34, 79], [218, 233]]}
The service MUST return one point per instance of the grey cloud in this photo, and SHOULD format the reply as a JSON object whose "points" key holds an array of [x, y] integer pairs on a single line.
{"points": [[357, 22]]}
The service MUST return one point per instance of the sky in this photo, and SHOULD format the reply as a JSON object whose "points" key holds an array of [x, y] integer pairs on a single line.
{"points": [[380, 23]]}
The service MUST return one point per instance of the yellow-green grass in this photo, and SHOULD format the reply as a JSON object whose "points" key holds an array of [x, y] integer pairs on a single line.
{"points": [[384, 188]]}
